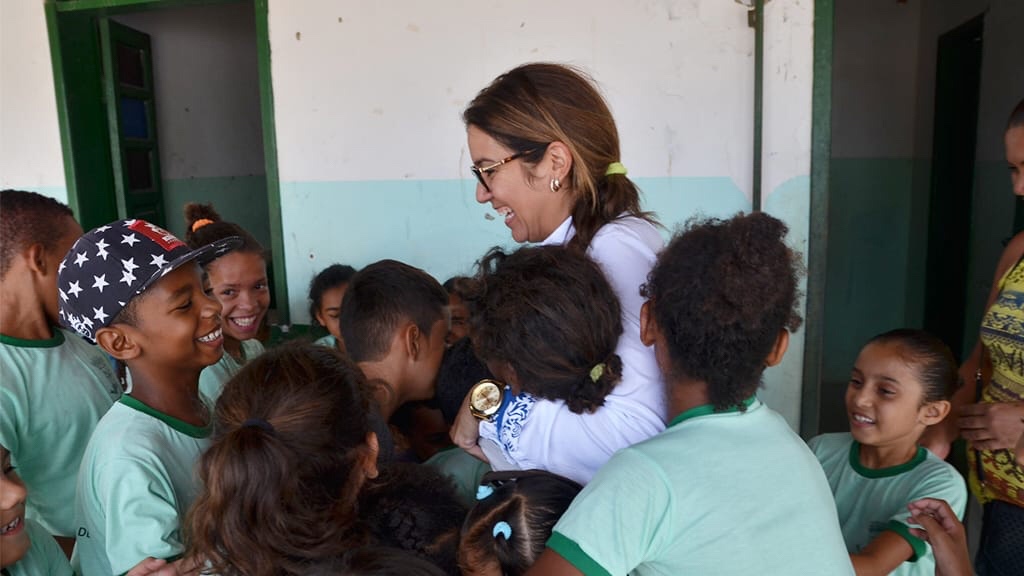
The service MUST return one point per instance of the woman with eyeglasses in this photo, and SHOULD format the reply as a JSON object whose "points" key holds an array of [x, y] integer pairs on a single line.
{"points": [[545, 152]]}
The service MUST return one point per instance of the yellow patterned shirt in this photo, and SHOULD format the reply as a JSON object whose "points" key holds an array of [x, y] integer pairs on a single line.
{"points": [[1002, 332]]}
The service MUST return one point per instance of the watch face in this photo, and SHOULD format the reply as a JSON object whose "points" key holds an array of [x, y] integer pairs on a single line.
{"points": [[486, 397]]}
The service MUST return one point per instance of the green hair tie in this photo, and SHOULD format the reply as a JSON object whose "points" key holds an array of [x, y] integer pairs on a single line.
{"points": [[616, 168], [596, 372]]}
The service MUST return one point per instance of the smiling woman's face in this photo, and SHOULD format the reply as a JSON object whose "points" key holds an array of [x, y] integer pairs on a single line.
{"points": [[529, 207]]}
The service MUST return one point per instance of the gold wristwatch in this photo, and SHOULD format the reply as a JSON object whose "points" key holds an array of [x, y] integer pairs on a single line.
{"points": [[485, 399]]}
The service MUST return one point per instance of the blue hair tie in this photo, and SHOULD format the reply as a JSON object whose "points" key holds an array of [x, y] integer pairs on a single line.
{"points": [[484, 491], [502, 528]]}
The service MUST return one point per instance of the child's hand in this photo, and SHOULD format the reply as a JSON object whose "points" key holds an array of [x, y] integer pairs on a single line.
{"points": [[992, 426], [153, 567], [465, 431], [942, 529]]}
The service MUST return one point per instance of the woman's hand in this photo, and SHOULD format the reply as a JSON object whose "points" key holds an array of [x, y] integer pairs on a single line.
{"points": [[465, 431], [942, 529], [1018, 452], [992, 425]]}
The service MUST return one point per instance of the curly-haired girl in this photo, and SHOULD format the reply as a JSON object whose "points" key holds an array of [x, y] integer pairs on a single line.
{"points": [[728, 488], [546, 322]]}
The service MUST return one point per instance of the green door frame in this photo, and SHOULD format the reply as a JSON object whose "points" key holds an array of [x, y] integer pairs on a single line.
{"points": [[821, 152], [63, 14]]}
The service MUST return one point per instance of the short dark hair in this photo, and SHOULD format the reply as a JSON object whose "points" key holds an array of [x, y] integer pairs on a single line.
{"points": [[549, 313], [1017, 116], [28, 218], [930, 358], [379, 298], [456, 285], [414, 508], [530, 502], [720, 293], [330, 277], [460, 370], [375, 561]]}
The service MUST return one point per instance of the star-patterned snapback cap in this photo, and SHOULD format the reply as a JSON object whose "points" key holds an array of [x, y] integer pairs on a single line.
{"points": [[110, 265]]}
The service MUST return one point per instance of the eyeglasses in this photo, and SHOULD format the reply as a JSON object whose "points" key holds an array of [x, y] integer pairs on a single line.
{"points": [[479, 172]]}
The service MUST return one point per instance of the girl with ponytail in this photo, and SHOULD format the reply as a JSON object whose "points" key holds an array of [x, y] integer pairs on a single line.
{"points": [[292, 447], [546, 321], [238, 280]]}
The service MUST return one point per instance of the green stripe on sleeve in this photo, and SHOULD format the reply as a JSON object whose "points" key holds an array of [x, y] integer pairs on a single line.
{"points": [[919, 546], [575, 555]]}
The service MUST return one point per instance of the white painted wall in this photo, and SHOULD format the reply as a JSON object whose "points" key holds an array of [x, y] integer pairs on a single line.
{"points": [[375, 90], [30, 152], [786, 163], [207, 89]]}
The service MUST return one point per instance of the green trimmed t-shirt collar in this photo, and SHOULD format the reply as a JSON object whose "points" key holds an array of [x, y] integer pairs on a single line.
{"points": [[866, 472], [709, 409], [57, 340], [179, 425]]}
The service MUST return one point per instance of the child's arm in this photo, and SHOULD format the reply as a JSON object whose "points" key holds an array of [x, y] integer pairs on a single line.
{"points": [[883, 555], [551, 563]]}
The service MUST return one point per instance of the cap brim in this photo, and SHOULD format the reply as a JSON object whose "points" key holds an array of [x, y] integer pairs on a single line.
{"points": [[202, 255]]}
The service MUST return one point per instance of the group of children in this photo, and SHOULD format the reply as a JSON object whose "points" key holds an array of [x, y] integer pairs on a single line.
{"points": [[204, 453]]}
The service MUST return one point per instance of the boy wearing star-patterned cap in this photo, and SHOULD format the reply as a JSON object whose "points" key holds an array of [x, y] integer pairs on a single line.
{"points": [[54, 386], [137, 291]]}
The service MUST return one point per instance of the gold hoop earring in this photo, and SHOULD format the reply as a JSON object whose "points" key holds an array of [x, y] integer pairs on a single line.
{"points": [[555, 185]]}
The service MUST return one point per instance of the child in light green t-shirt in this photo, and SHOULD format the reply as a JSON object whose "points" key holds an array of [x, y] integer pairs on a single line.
{"points": [[26, 549], [727, 488], [238, 280], [900, 384], [54, 387], [326, 292], [137, 291]]}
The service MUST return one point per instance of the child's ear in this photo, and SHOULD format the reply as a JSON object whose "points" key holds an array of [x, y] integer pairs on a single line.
{"points": [[411, 340], [35, 257], [648, 327], [368, 460], [778, 349], [117, 342], [934, 412]]}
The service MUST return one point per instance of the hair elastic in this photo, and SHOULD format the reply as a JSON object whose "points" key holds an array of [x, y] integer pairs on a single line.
{"points": [[503, 528], [200, 223], [596, 372], [616, 168], [258, 423]]}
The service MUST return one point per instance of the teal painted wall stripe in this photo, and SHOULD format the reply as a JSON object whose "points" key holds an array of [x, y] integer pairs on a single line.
{"points": [[437, 225]]}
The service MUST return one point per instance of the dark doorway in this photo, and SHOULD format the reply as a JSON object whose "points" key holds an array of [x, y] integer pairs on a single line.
{"points": [[957, 80]]}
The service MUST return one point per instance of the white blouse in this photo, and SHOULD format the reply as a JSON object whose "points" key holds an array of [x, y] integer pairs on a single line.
{"points": [[537, 433]]}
